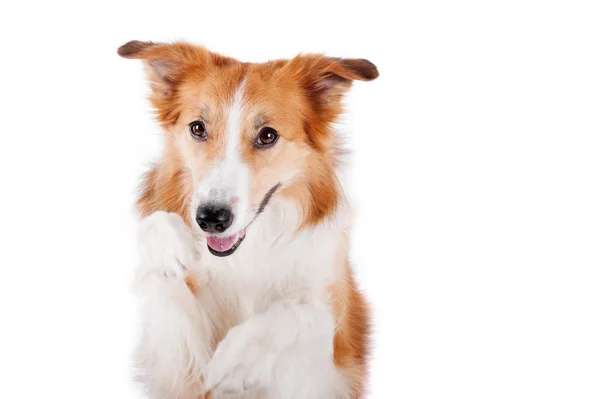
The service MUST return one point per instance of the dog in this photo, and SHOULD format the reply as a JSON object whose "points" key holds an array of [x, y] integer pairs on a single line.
{"points": [[244, 282]]}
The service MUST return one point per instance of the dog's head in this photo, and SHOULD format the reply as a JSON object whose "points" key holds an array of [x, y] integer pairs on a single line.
{"points": [[238, 134]]}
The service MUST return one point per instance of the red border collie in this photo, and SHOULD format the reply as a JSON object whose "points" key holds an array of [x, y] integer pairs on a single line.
{"points": [[245, 286]]}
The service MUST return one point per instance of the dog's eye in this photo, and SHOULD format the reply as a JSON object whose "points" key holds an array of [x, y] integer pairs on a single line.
{"points": [[267, 137], [198, 130]]}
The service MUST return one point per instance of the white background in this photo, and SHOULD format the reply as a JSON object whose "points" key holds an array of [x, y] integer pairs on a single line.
{"points": [[477, 179]]}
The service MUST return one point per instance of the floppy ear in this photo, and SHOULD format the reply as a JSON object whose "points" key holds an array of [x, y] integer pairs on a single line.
{"points": [[337, 74], [326, 79], [165, 63], [166, 67]]}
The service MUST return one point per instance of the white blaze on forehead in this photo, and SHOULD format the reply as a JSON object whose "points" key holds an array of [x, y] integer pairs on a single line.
{"points": [[233, 130], [224, 181]]}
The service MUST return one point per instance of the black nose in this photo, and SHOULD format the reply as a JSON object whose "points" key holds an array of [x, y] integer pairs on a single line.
{"points": [[214, 218]]}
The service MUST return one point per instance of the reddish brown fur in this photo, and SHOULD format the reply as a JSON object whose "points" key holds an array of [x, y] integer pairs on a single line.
{"points": [[302, 98], [192, 284], [351, 341]]}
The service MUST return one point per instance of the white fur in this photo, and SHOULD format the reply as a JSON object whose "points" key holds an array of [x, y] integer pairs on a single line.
{"points": [[270, 295], [264, 307]]}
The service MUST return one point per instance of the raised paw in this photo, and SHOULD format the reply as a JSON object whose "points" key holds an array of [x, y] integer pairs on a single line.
{"points": [[166, 245]]}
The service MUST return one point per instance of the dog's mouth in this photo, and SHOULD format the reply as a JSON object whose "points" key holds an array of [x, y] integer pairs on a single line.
{"points": [[225, 246]]}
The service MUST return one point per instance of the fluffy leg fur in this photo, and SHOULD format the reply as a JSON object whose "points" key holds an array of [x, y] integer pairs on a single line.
{"points": [[288, 348], [175, 343]]}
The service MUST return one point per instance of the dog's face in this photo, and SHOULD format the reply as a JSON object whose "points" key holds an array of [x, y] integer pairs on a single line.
{"points": [[246, 132]]}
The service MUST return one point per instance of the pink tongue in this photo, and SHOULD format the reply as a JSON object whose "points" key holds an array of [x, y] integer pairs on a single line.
{"points": [[222, 243]]}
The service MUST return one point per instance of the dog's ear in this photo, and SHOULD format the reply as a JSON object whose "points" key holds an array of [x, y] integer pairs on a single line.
{"points": [[166, 66], [336, 74], [326, 79]]}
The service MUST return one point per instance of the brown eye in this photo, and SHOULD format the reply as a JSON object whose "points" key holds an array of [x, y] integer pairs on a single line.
{"points": [[267, 137], [198, 130]]}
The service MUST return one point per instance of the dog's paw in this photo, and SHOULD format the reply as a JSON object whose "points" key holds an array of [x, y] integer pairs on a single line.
{"points": [[242, 361], [166, 245]]}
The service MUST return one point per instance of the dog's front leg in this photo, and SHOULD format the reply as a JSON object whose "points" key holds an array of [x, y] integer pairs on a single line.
{"points": [[246, 357], [175, 342]]}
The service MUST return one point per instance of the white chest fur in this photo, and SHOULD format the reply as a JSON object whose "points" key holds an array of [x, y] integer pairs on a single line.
{"points": [[276, 261]]}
